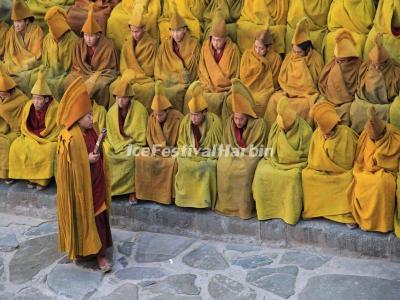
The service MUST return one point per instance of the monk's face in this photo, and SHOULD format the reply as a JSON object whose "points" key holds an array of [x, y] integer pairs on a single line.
{"points": [[240, 120], [20, 25], [86, 122], [178, 34], [260, 48], [340, 60], [91, 40], [298, 51], [123, 101], [137, 32], [160, 115], [39, 101], [197, 118], [218, 43], [5, 95]]}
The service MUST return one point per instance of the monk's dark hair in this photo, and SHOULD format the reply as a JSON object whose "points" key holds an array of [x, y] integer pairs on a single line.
{"points": [[305, 46]]}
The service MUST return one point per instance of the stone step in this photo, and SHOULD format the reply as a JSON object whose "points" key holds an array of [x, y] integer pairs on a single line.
{"points": [[147, 216]]}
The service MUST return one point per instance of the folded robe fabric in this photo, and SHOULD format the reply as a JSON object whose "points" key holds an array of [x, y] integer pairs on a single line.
{"points": [[3, 31]]}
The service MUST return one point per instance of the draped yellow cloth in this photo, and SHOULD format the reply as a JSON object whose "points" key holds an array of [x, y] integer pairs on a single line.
{"points": [[298, 79], [120, 150], [196, 179], [77, 231], [277, 188], [190, 10], [316, 12], [256, 15], [22, 56], [177, 73], [376, 88], [10, 126], [117, 26], [137, 62], [260, 75], [338, 85], [33, 157], [3, 31], [99, 116], [155, 171], [102, 70], [57, 59], [374, 190], [235, 174], [328, 177], [383, 24], [356, 16]]}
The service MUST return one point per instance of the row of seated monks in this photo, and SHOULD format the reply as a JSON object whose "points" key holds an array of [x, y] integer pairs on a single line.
{"points": [[328, 134]]}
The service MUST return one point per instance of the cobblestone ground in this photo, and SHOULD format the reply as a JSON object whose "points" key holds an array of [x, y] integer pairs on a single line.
{"points": [[161, 266]]}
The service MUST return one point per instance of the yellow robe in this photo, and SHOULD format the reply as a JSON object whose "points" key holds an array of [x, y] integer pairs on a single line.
{"points": [[256, 15], [235, 174], [120, 150], [196, 179], [175, 73], [10, 126], [117, 26], [355, 16], [373, 195], [316, 12], [3, 32], [260, 75], [137, 62], [328, 176], [99, 116], [277, 186], [383, 23], [77, 231], [57, 59], [22, 56], [155, 171], [32, 157]]}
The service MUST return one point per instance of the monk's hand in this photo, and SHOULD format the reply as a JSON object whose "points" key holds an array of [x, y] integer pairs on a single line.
{"points": [[93, 158]]}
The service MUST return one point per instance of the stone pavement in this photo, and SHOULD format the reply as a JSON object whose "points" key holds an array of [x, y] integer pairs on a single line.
{"points": [[172, 267]]}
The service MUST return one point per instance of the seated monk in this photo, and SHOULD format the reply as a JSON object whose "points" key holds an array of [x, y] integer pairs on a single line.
{"points": [[33, 154], [277, 186], [394, 117], [137, 59], [23, 47], [378, 85], [77, 13], [244, 137], [200, 136], [3, 32], [126, 126], [12, 102], [259, 70], [155, 170], [219, 63], [338, 79], [387, 22], [58, 50], [298, 77], [95, 56], [122, 14], [373, 195], [329, 174], [83, 188], [258, 14]]}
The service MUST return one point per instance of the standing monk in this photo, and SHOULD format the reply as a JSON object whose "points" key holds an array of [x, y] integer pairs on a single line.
{"points": [[83, 189]]}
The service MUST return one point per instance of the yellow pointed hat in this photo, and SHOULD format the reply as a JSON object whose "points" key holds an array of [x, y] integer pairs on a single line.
{"points": [[74, 105], [124, 89], [198, 103], [41, 88], [56, 19], [218, 28], [242, 99], [264, 36], [374, 126], [138, 19], [302, 32], [6, 82], [345, 44], [286, 115], [20, 11], [176, 21], [91, 26], [378, 54], [325, 115], [160, 101]]}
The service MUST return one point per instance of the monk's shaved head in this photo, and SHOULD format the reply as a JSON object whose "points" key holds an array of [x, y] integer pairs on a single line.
{"points": [[260, 48]]}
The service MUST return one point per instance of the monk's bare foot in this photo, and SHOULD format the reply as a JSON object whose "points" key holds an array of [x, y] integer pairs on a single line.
{"points": [[132, 199], [9, 181], [352, 226], [104, 265], [40, 187], [30, 185]]}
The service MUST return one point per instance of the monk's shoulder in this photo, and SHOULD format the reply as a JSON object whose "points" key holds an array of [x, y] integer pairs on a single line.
{"points": [[109, 44]]}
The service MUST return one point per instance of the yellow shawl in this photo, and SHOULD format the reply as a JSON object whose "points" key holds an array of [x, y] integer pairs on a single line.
{"points": [[3, 31], [168, 134], [99, 116]]}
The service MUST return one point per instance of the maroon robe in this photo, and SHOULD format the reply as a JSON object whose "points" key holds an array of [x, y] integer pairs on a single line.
{"points": [[36, 121], [177, 52], [197, 136], [239, 136], [218, 56]]}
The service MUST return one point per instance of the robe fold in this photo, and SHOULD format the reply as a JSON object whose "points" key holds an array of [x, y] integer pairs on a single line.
{"points": [[235, 174], [99, 116], [277, 188], [33, 154], [196, 179], [3, 32], [155, 171], [102, 69], [120, 149], [328, 177], [373, 195]]}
